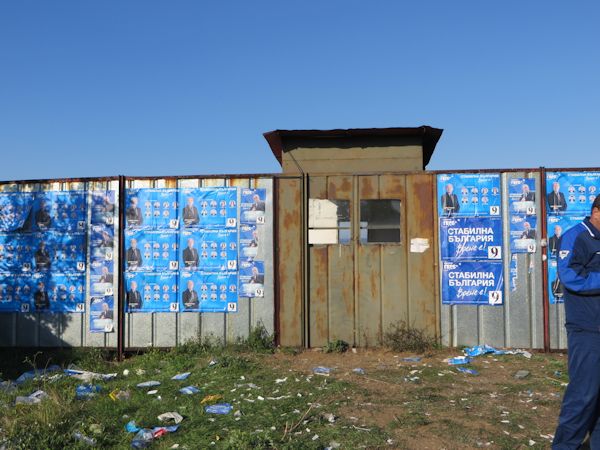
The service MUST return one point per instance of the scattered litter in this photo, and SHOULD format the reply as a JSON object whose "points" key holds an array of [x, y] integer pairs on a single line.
{"points": [[280, 380], [525, 353], [95, 428], [181, 376], [170, 416], [329, 417], [521, 374], [7, 386], [140, 372], [32, 399], [86, 391], [85, 375], [120, 395], [219, 408], [412, 359], [142, 439], [324, 371], [557, 373], [531, 442], [83, 438], [360, 428], [359, 371], [147, 384], [125, 372], [458, 360], [333, 445], [484, 349], [315, 437], [189, 390], [213, 362], [211, 399], [37, 373], [131, 427], [469, 371], [152, 392]]}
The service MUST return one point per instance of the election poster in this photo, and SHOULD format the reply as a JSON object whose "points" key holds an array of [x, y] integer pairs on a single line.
{"points": [[521, 195], [16, 253], [102, 278], [470, 238], [571, 192], [523, 233], [152, 208], [209, 207], [151, 292], [469, 194], [57, 292], [15, 208], [208, 291], [218, 250], [514, 273], [251, 279], [103, 207], [252, 206], [15, 292], [555, 287], [151, 250], [102, 314], [557, 226], [64, 211], [251, 243], [472, 282]]}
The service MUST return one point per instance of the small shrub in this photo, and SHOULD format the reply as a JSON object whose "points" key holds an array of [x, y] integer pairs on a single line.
{"points": [[338, 346], [259, 340], [401, 337]]}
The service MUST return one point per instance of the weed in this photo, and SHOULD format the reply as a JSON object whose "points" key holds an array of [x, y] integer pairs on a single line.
{"points": [[338, 346], [401, 337]]}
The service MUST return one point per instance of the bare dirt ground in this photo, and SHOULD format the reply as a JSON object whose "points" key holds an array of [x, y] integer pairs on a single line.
{"points": [[430, 405]]}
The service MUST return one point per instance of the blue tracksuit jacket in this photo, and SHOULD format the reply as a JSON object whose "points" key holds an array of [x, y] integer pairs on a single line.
{"points": [[579, 272]]}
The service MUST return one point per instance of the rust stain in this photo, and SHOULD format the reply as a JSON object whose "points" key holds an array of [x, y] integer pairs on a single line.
{"points": [[367, 190]]}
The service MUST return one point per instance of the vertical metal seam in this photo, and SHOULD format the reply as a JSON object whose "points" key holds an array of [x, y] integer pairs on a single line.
{"points": [[355, 230], [120, 303], [545, 294]]}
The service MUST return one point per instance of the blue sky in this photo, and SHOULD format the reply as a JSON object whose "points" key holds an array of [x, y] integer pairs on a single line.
{"points": [[188, 87]]}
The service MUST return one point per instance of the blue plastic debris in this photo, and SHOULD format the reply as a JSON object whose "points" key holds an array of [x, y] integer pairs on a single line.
{"points": [[32, 374], [322, 371], [219, 408], [412, 359], [131, 427], [459, 360], [83, 438], [469, 371], [359, 371], [86, 391], [181, 376], [484, 349], [189, 390], [143, 439]]}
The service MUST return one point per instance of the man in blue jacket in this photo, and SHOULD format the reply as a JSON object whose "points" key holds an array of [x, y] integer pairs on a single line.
{"points": [[579, 271]]}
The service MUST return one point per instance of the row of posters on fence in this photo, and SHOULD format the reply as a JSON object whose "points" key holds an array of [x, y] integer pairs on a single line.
{"points": [[45, 239], [471, 229], [193, 249]]}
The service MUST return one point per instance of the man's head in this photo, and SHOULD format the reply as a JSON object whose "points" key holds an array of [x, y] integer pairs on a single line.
{"points": [[134, 243], [254, 270], [133, 286], [556, 187], [526, 226], [105, 307], [134, 202], [42, 245], [595, 213], [557, 230], [41, 286], [190, 285], [190, 201], [449, 189], [190, 243], [256, 198], [104, 270], [525, 189]]}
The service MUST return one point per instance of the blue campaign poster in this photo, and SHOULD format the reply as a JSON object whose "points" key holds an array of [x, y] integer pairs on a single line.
{"points": [[59, 211], [514, 273], [152, 208], [16, 253], [523, 233], [252, 279], [571, 192], [208, 207], [477, 283], [469, 194], [151, 292], [151, 250], [217, 250], [251, 247], [557, 226], [15, 292], [253, 206], [103, 207], [466, 238], [521, 195], [555, 287], [67, 252], [208, 291], [102, 313], [102, 236], [15, 207], [58, 292], [102, 278]]}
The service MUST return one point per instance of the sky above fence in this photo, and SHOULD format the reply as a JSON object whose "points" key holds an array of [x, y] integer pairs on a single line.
{"points": [[148, 87]]}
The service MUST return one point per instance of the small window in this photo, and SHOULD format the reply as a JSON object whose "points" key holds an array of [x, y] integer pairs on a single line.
{"points": [[328, 221], [379, 221]]}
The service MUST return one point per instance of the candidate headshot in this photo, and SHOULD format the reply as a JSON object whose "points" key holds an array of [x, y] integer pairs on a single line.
{"points": [[190, 296], [134, 298], [449, 200], [554, 240], [528, 232], [106, 312], [107, 239], [526, 194], [42, 257], [556, 199], [42, 217], [256, 276], [134, 213], [190, 254], [40, 297], [106, 276], [190, 213], [257, 203], [134, 256]]}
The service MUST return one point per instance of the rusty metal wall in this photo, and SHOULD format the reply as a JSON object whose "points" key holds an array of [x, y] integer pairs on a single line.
{"points": [[171, 329], [519, 321], [59, 329], [357, 291]]}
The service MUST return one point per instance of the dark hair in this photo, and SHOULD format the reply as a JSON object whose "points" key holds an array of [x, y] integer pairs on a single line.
{"points": [[596, 203]]}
